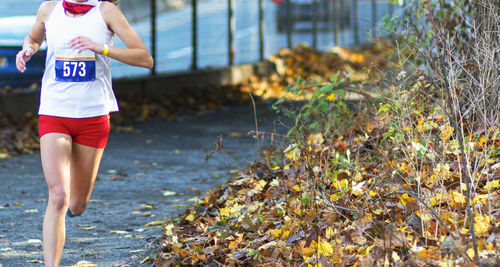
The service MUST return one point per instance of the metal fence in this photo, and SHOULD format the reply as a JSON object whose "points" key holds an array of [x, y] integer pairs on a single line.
{"points": [[194, 34]]}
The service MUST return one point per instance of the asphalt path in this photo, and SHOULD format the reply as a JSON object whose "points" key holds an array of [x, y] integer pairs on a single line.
{"points": [[150, 173]]}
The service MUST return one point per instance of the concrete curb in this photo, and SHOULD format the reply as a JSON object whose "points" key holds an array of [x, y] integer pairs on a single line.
{"points": [[16, 105]]}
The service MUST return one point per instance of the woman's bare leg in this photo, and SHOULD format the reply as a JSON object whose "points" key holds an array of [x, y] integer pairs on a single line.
{"points": [[56, 159], [85, 162]]}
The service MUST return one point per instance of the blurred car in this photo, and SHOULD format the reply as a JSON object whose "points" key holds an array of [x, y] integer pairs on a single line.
{"points": [[13, 30], [303, 10]]}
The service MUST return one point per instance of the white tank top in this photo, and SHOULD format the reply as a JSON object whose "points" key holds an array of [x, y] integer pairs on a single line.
{"points": [[76, 85]]}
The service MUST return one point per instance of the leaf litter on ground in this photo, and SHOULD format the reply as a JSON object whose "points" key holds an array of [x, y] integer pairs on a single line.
{"points": [[334, 199]]}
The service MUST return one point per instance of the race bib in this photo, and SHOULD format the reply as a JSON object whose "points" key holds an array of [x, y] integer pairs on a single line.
{"points": [[72, 66]]}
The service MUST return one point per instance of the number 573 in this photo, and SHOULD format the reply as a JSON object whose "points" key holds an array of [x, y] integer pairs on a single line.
{"points": [[72, 68]]}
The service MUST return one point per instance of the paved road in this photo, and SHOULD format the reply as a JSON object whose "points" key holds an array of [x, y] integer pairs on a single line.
{"points": [[139, 174]]}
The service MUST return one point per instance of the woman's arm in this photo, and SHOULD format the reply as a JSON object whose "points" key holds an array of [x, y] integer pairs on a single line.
{"points": [[35, 37], [135, 54]]}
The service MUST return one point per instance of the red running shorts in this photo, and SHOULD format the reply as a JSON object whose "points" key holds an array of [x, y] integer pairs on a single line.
{"points": [[91, 132]]}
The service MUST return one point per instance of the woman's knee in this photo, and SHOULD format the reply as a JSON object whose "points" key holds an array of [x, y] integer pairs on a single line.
{"points": [[59, 198], [77, 207]]}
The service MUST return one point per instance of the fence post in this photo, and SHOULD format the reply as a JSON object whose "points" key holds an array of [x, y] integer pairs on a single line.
{"points": [[288, 25], [336, 22], [391, 9], [153, 35], [354, 18], [315, 25], [374, 18], [230, 29], [341, 16], [194, 40], [261, 30]]}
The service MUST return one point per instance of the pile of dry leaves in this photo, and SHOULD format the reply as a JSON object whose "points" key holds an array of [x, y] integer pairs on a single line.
{"points": [[361, 64], [390, 191], [333, 203]]}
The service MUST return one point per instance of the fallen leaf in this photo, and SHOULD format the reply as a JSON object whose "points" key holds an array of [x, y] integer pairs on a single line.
{"points": [[154, 223], [118, 232]]}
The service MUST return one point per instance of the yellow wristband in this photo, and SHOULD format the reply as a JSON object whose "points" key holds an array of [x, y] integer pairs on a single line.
{"points": [[106, 50]]}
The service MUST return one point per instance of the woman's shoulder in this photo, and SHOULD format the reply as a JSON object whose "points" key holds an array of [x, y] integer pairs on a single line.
{"points": [[108, 6], [48, 5], [110, 12], [46, 8]]}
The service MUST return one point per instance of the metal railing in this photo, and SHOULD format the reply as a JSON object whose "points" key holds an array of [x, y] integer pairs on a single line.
{"points": [[194, 34], [339, 25]]}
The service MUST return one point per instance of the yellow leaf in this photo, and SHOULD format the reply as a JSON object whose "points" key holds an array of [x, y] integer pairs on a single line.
{"points": [[436, 199], [378, 211], [315, 138], [492, 185], [420, 126], [342, 184], [231, 210], [370, 127], [481, 224], [261, 184], [235, 134], [324, 248], [286, 234], [34, 261], [225, 211], [154, 223], [145, 259], [331, 97], [335, 197], [446, 132], [277, 232], [292, 152], [297, 188], [457, 198], [84, 264], [403, 198], [471, 253], [190, 217], [480, 199], [233, 245]]}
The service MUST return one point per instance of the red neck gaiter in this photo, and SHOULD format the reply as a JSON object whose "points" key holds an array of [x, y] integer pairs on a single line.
{"points": [[76, 8]]}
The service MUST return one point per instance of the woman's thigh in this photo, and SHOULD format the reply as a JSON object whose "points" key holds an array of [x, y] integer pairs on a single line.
{"points": [[55, 149], [85, 162]]}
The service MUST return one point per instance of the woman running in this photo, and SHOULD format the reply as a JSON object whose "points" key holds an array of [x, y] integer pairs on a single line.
{"points": [[75, 102]]}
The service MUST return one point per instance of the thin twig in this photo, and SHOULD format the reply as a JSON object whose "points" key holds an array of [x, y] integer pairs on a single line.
{"points": [[425, 204]]}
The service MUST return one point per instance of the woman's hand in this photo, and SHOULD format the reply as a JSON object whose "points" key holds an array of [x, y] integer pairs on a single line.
{"points": [[22, 57], [81, 43]]}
